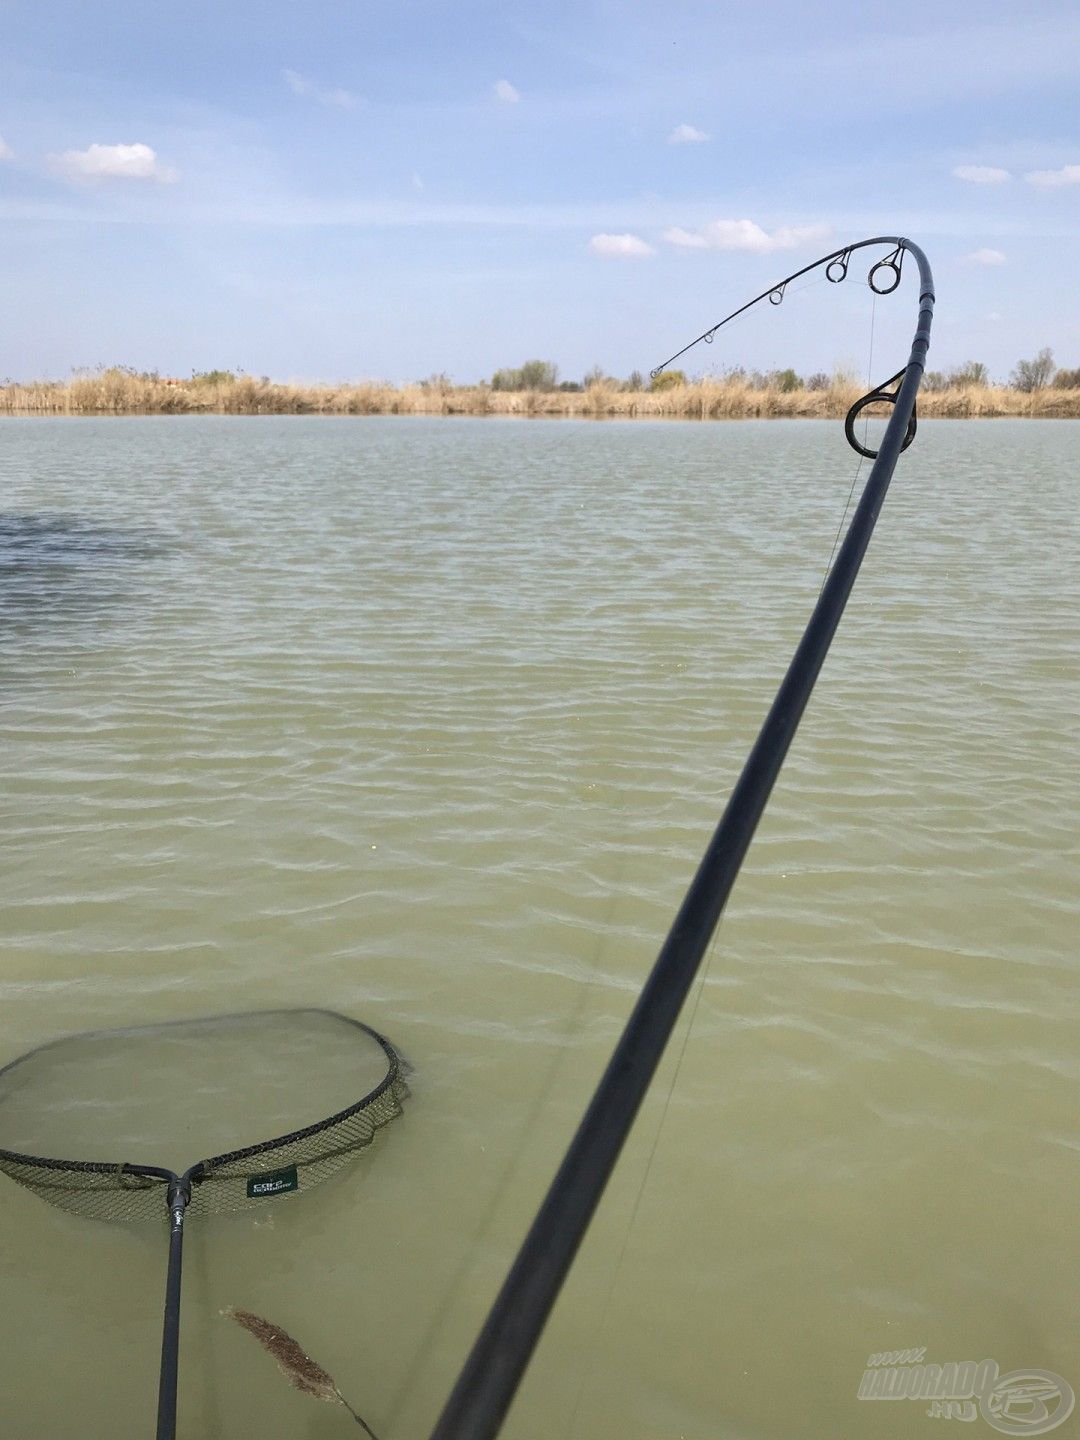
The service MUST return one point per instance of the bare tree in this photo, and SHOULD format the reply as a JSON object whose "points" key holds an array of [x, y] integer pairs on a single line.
{"points": [[974, 372], [1034, 374]]}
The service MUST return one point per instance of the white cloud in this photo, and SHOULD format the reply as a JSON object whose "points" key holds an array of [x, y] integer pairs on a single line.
{"points": [[985, 257], [995, 316], [686, 135], [505, 91], [6, 152], [1054, 179], [686, 239], [301, 85], [620, 247], [417, 183], [112, 162], [743, 235], [982, 174]]}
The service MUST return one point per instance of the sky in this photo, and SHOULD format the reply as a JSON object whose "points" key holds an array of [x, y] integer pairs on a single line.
{"points": [[355, 190]]}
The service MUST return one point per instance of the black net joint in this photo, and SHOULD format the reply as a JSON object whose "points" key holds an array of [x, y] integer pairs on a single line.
{"points": [[179, 1197]]}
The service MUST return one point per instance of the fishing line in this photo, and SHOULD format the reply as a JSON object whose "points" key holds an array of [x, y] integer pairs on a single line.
{"points": [[610, 891], [858, 468], [437, 1322], [870, 357], [707, 964], [639, 1196], [809, 285], [837, 261], [741, 318]]}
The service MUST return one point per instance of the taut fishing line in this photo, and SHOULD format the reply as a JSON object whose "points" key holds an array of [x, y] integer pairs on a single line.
{"points": [[743, 317], [579, 1394], [707, 964], [425, 1344], [858, 467]]}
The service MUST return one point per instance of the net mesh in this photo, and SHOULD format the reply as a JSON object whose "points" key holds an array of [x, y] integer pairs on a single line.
{"points": [[276, 1066]]}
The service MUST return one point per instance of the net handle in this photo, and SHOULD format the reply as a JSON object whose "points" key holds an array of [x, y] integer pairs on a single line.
{"points": [[179, 1194]]}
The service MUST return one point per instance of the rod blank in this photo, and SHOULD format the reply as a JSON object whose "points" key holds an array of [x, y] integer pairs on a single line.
{"points": [[489, 1379]]}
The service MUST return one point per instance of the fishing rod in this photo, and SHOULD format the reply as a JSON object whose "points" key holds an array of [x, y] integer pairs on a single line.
{"points": [[493, 1370]]}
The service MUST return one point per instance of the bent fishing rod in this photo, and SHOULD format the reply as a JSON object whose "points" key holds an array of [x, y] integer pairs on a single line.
{"points": [[493, 1370]]}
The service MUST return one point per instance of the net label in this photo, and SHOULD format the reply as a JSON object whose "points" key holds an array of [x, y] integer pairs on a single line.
{"points": [[274, 1182]]}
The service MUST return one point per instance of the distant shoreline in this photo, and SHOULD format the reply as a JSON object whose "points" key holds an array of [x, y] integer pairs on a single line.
{"points": [[120, 392]]}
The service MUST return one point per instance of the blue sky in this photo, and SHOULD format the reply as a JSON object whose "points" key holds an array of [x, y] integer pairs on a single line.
{"points": [[344, 190]]}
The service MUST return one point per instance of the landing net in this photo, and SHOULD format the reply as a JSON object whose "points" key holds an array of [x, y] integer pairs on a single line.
{"points": [[251, 1106]]}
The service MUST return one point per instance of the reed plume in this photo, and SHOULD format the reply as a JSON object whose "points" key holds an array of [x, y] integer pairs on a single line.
{"points": [[302, 1372], [117, 391]]}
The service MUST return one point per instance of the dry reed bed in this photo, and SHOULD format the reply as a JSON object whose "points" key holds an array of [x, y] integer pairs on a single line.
{"points": [[114, 392]]}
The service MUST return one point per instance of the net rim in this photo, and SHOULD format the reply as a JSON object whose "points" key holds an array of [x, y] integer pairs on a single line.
{"points": [[204, 1169]]}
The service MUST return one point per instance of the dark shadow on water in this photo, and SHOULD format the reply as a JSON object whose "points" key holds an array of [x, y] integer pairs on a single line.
{"points": [[66, 565]]}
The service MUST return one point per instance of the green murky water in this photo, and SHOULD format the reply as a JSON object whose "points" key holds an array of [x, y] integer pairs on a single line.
{"points": [[428, 722]]}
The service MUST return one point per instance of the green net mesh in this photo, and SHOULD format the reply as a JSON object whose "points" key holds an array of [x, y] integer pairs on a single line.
{"points": [[299, 1093]]}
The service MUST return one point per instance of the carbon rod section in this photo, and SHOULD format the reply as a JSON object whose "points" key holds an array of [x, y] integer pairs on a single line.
{"points": [[841, 256], [491, 1374]]}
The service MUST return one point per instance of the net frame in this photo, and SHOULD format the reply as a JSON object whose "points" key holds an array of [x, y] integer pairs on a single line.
{"points": [[123, 1191]]}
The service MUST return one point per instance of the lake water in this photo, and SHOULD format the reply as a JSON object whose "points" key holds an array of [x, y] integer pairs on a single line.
{"points": [[428, 721]]}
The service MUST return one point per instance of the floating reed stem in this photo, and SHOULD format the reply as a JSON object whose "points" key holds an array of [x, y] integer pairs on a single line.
{"points": [[301, 1371]]}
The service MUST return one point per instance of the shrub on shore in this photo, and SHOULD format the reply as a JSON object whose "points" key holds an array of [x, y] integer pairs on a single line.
{"points": [[533, 375], [965, 391], [1034, 374]]}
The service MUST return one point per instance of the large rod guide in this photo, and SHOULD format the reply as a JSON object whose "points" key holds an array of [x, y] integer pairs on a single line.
{"points": [[491, 1374]]}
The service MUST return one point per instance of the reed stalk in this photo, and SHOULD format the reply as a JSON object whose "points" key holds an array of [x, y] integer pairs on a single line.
{"points": [[301, 1371], [122, 392]]}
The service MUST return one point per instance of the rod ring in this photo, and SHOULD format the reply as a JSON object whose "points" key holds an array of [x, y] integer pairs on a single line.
{"points": [[887, 264], [875, 397]]}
